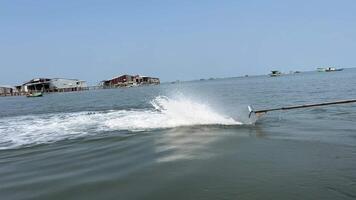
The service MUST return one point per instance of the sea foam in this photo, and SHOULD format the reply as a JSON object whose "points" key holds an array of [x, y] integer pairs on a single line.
{"points": [[165, 113]]}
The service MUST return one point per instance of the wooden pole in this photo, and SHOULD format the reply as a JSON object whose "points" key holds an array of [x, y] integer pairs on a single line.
{"points": [[264, 111]]}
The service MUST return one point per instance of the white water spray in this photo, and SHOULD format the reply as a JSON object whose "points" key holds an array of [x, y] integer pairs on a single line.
{"points": [[46, 128]]}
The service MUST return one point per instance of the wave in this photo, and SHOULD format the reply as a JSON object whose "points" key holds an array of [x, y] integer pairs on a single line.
{"points": [[165, 113]]}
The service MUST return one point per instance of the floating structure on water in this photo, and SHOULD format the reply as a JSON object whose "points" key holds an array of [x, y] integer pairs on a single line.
{"points": [[52, 85], [6, 90], [43, 85], [129, 81], [329, 69]]}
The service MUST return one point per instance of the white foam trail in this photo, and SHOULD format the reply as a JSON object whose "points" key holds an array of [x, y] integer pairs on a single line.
{"points": [[46, 128]]}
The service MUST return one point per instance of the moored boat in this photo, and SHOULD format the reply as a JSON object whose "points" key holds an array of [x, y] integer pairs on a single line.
{"points": [[35, 94], [275, 73]]}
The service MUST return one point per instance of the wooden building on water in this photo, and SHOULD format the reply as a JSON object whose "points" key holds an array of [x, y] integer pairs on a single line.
{"points": [[6, 90], [52, 85], [129, 81]]}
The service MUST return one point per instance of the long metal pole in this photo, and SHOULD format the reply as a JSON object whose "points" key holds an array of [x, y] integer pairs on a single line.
{"points": [[306, 106]]}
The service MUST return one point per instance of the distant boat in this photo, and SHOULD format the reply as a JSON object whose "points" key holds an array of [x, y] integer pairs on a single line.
{"points": [[174, 82], [332, 69], [320, 69], [275, 73], [35, 94], [329, 69], [295, 72]]}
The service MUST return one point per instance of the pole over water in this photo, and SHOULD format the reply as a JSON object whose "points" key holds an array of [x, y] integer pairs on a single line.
{"points": [[264, 111]]}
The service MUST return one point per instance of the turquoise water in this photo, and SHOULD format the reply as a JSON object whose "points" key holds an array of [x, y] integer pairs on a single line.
{"points": [[191, 140]]}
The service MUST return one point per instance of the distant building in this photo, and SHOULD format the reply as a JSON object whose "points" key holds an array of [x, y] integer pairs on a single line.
{"points": [[129, 80], [119, 81], [147, 80], [52, 85], [7, 90]]}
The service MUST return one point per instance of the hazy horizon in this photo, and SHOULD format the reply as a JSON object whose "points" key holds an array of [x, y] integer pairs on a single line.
{"points": [[176, 40]]}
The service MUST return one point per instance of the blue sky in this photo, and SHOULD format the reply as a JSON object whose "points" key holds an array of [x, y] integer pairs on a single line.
{"points": [[95, 40]]}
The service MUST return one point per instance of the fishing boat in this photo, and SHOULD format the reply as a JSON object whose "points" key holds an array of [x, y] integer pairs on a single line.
{"points": [[275, 73], [35, 94], [329, 69], [332, 69]]}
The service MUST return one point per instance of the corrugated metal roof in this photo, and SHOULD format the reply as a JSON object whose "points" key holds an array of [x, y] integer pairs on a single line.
{"points": [[7, 86], [35, 80]]}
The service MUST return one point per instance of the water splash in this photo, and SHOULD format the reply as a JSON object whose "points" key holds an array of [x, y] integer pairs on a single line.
{"points": [[165, 113]]}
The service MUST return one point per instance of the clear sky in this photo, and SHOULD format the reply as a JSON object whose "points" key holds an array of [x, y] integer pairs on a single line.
{"points": [[96, 40]]}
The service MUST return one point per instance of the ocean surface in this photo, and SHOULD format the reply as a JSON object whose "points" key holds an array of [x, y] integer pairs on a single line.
{"points": [[189, 140]]}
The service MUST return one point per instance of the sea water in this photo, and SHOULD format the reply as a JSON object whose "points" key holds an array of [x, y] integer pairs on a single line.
{"points": [[189, 140]]}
